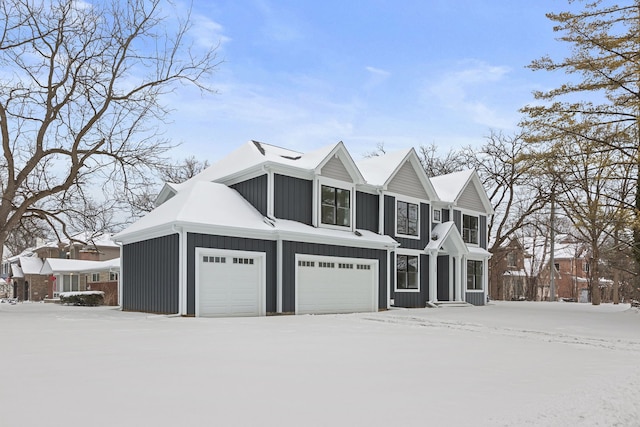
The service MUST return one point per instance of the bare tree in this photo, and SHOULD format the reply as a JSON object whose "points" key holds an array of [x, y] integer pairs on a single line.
{"points": [[80, 102]]}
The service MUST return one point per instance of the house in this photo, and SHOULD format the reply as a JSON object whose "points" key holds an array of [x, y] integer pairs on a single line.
{"points": [[75, 264], [508, 279], [267, 230]]}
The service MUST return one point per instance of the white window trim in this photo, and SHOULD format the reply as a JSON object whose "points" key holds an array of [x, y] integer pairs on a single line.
{"points": [[317, 203], [414, 202], [415, 253], [473, 214], [433, 216], [484, 275]]}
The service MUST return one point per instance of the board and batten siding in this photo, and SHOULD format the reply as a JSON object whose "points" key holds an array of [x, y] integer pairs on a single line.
{"points": [[197, 240], [293, 199], [367, 211], [415, 299], [150, 279], [482, 224], [290, 249], [443, 278], [254, 191], [406, 182], [470, 198], [475, 298], [335, 169]]}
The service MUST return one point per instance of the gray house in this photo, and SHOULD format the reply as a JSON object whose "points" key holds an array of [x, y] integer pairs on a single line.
{"points": [[269, 230]]}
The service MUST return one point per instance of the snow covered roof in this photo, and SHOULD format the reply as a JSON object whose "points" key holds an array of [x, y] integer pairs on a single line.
{"points": [[16, 271], [63, 265], [216, 208], [451, 187], [445, 235], [377, 170], [30, 265]]}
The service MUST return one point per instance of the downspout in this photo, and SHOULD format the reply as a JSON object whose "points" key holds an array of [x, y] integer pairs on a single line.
{"points": [[182, 272], [120, 275], [279, 260]]}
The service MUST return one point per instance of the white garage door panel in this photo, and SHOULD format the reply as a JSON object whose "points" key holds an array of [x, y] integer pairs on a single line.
{"points": [[336, 290], [230, 289]]}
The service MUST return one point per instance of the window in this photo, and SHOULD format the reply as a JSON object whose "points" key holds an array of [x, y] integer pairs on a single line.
{"points": [[406, 272], [113, 276], [95, 277], [322, 264], [335, 206], [470, 229], [474, 275], [407, 218], [306, 263], [511, 259], [70, 282], [557, 266], [437, 215], [585, 267], [246, 261]]}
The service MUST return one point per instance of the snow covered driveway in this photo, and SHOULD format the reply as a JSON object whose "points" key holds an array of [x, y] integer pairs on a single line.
{"points": [[506, 364]]}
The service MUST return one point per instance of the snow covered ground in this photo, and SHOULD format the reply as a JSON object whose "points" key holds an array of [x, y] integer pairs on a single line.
{"points": [[506, 364]]}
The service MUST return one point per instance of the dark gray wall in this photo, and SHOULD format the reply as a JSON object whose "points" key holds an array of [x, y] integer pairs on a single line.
{"points": [[293, 199], [482, 223], [475, 298], [290, 249], [457, 220], [445, 215], [255, 191], [367, 211], [415, 299], [150, 275], [390, 225], [195, 240], [443, 277]]}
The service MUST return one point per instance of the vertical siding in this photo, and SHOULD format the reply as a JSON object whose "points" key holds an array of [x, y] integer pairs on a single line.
{"points": [[290, 249], [482, 223], [390, 216], [255, 191], [406, 182], [457, 220], [293, 199], [470, 198], [443, 278], [335, 169], [367, 211], [151, 275], [390, 225], [446, 215], [415, 299], [475, 298], [195, 240]]}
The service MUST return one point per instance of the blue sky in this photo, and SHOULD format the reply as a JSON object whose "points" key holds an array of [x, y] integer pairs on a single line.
{"points": [[305, 74]]}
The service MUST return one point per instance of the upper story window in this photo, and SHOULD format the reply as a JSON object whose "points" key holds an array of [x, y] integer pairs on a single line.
{"points": [[585, 267], [336, 206], [511, 259], [407, 218], [437, 215], [470, 229]]}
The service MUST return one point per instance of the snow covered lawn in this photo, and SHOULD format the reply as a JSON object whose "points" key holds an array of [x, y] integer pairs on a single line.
{"points": [[506, 364]]}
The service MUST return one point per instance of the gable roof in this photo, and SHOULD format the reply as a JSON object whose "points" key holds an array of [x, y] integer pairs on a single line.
{"points": [[381, 170], [218, 209], [254, 156], [30, 265], [445, 236], [451, 187]]}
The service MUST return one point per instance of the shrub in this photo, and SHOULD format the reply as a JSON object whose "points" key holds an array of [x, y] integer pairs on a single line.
{"points": [[86, 298]]}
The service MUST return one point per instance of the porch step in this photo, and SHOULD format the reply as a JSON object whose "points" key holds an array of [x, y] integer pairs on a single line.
{"points": [[446, 304]]}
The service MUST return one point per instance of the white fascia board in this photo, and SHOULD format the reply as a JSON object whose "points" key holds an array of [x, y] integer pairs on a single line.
{"points": [[147, 234], [333, 240], [228, 231], [369, 188]]}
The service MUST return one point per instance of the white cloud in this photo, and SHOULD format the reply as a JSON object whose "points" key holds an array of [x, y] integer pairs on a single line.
{"points": [[472, 92]]}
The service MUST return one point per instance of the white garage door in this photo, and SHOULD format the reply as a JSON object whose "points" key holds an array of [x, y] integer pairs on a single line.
{"points": [[230, 283], [336, 285]]}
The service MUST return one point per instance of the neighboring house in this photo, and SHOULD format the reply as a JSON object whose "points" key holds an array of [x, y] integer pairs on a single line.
{"points": [[268, 230], [72, 265], [508, 278]]}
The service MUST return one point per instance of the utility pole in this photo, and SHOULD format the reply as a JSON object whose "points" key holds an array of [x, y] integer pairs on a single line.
{"points": [[552, 261]]}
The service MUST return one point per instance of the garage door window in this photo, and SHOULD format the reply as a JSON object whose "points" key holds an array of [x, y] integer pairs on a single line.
{"points": [[407, 272]]}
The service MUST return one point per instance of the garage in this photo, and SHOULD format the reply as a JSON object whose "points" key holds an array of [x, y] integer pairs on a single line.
{"points": [[230, 283], [336, 285]]}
